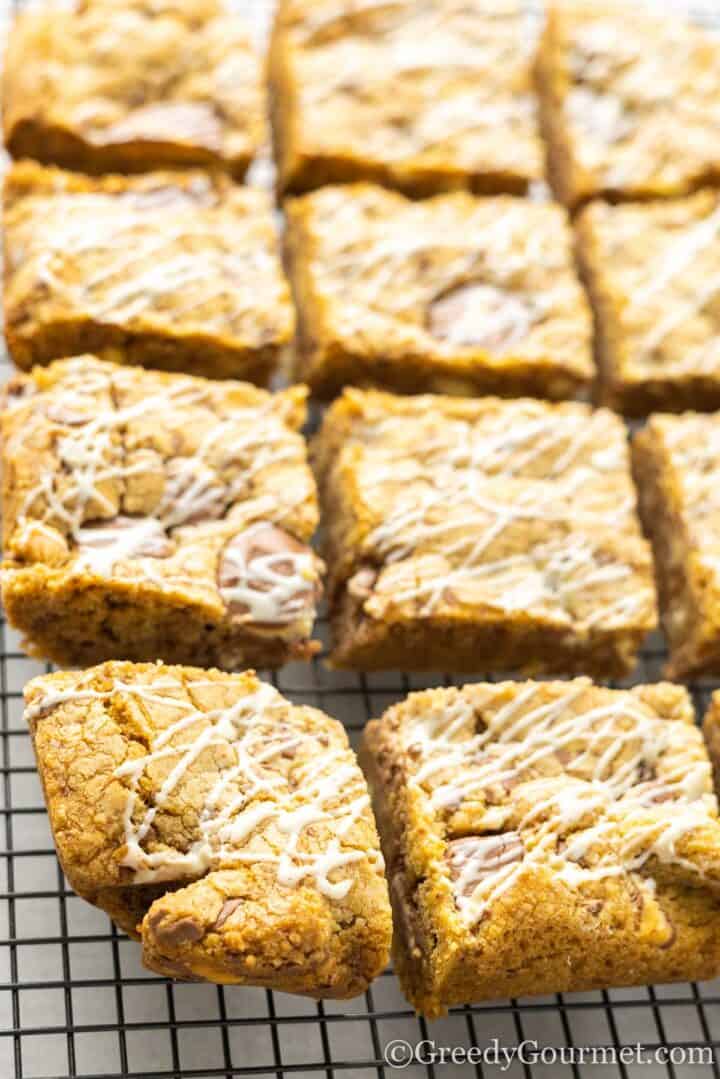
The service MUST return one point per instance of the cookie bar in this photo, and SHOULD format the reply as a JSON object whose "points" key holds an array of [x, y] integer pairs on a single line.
{"points": [[250, 811], [179, 271], [453, 294], [477, 535], [150, 515], [676, 461], [135, 86], [421, 96], [546, 837], [653, 276], [630, 104]]}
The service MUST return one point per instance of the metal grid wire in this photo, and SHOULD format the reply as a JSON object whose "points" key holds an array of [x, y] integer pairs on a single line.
{"points": [[75, 1000]]}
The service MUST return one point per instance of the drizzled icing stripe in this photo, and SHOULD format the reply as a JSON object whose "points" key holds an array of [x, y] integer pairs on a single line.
{"points": [[640, 799], [246, 802]]}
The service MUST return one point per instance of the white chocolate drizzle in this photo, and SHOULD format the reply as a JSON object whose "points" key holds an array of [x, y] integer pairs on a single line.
{"points": [[252, 813], [587, 792]]}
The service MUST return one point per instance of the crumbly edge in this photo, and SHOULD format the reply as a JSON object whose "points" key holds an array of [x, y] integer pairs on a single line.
{"points": [[694, 642]]}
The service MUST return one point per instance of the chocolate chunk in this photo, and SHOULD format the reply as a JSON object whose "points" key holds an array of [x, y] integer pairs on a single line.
{"points": [[482, 316], [130, 537], [170, 931], [227, 909], [267, 577], [473, 857]]}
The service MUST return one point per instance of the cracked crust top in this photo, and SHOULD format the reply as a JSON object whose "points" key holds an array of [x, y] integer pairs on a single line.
{"points": [[583, 818], [167, 774], [171, 484], [134, 86]]}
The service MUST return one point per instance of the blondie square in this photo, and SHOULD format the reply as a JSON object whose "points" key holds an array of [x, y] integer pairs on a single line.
{"points": [[129, 87], [150, 515], [677, 462], [175, 270], [653, 276], [481, 534], [630, 103], [546, 837], [454, 294], [242, 822], [421, 96]]}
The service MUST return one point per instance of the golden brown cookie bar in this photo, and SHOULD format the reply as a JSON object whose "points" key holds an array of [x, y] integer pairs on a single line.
{"points": [[653, 275], [419, 95], [453, 294], [546, 837], [135, 86], [175, 270], [252, 811], [677, 461], [481, 534], [148, 514], [630, 104]]}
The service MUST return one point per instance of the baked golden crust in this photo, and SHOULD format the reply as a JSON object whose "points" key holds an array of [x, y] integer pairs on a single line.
{"points": [[629, 104], [545, 837], [130, 87], [420, 96], [252, 810], [148, 514], [174, 270], [481, 534], [652, 272], [676, 460], [452, 294]]}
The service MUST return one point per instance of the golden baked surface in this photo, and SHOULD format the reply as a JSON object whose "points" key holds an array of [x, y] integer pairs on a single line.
{"points": [[544, 837], [676, 464], [630, 104], [147, 514], [253, 810], [470, 532], [134, 86], [653, 272], [454, 294], [179, 270], [422, 95]]}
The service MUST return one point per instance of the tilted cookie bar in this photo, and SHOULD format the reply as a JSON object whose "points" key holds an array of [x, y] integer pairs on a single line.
{"points": [[546, 837], [481, 534], [152, 515], [251, 811]]}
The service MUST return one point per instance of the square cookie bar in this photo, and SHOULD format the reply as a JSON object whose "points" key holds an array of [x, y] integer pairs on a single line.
{"points": [[630, 104], [422, 97], [239, 822], [677, 463], [455, 294], [128, 87], [546, 837], [175, 270], [653, 276], [478, 535], [150, 515]]}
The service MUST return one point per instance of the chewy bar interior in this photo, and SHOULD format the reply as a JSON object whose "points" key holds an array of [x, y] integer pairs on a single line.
{"points": [[652, 272], [474, 535], [147, 514], [677, 459], [236, 825], [419, 95], [108, 86], [453, 294], [630, 103], [175, 270], [546, 837]]}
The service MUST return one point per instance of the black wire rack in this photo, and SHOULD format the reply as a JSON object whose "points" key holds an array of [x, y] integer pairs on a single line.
{"points": [[76, 1001]]}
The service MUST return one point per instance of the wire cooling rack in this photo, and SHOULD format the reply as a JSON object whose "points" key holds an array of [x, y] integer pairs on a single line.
{"points": [[76, 1001]]}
